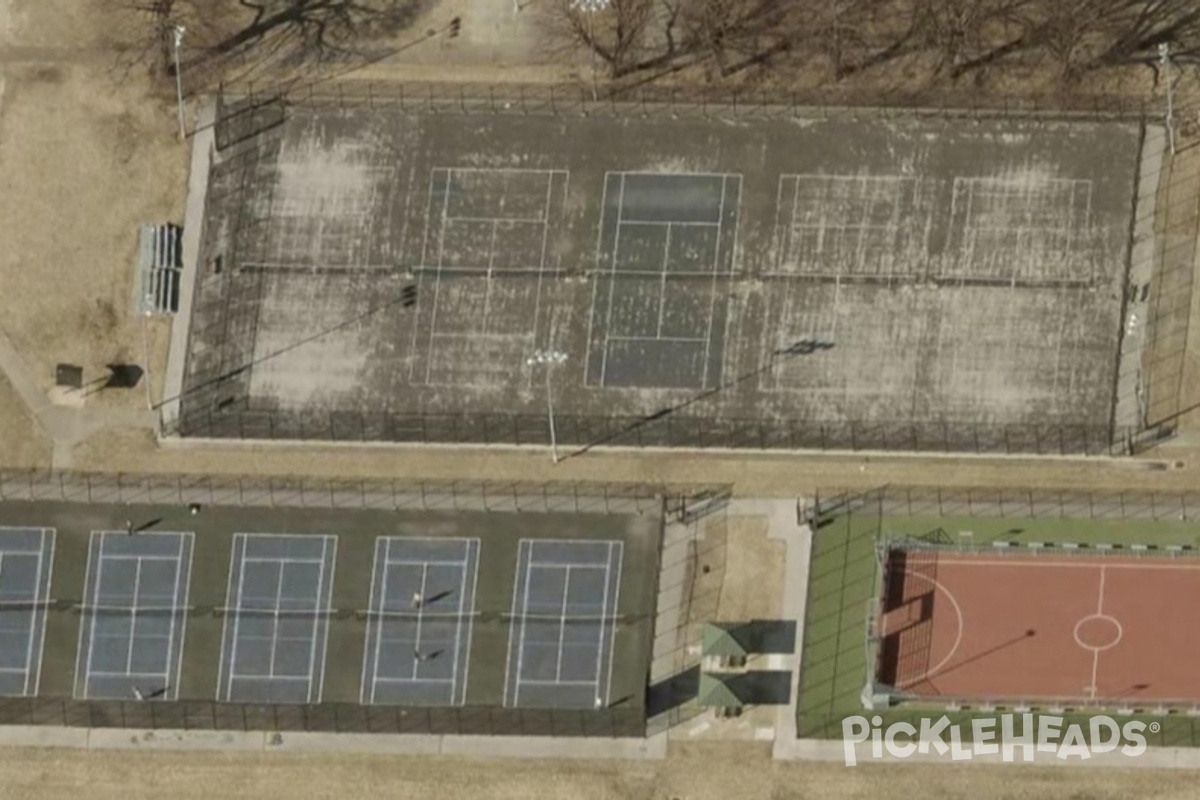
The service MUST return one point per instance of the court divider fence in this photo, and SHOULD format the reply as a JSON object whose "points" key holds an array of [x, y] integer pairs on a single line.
{"points": [[912, 501], [634, 99], [578, 434], [363, 493], [192, 715]]}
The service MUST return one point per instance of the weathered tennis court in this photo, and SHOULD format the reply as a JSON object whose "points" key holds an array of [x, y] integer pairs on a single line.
{"points": [[315, 607], [902, 284]]}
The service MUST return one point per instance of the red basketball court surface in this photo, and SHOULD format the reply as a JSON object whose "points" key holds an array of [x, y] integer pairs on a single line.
{"points": [[1089, 629]]}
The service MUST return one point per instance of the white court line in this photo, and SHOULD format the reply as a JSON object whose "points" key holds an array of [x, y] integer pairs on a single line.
{"points": [[513, 614], [499, 220], [612, 636], [1096, 651], [712, 297], [1038, 561], [225, 622], [435, 563], [411, 681], [91, 623], [680, 339], [673, 174], [438, 276], [184, 539], [487, 286], [531, 682], [366, 696], [612, 290], [80, 667], [278, 601], [782, 245], [282, 561], [571, 564], [137, 585], [326, 600], [318, 608], [135, 557], [537, 297], [416, 663], [416, 327], [658, 223], [850, 226], [52, 534], [545, 242], [662, 287], [270, 679], [462, 587], [127, 674], [603, 611], [237, 617], [587, 356], [16, 529], [521, 642], [562, 626], [473, 546], [32, 617]]}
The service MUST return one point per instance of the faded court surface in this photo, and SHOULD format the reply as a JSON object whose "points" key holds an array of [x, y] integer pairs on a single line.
{"points": [[308, 606], [369, 274]]}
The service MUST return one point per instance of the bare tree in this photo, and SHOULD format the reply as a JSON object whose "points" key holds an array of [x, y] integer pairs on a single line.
{"points": [[615, 34], [738, 32], [225, 37]]}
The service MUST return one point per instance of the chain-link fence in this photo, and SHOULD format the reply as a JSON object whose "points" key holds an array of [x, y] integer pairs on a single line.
{"points": [[677, 101], [1018, 503], [661, 430], [428, 495], [326, 717]]}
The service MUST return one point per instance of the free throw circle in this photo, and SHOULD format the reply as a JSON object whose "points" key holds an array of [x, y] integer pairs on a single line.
{"points": [[1098, 632]]}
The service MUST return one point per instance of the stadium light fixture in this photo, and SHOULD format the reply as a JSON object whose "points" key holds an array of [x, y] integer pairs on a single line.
{"points": [[590, 8], [549, 359]]}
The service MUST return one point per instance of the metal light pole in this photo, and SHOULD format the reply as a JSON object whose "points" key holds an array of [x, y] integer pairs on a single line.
{"points": [[146, 379], [1164, 58], [549, 359], [177, 32], [590, 7]]}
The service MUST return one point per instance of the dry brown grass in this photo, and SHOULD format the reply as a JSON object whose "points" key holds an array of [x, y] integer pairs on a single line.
{"points": [[88, 155], [754, 568], [709, 771], [22, 443]]}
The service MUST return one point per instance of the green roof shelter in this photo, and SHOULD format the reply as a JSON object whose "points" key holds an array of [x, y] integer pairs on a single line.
{"points": [[722, 641], [716, 692]]}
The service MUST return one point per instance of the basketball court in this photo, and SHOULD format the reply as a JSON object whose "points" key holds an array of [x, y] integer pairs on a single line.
{"points": [[1050, 628]]}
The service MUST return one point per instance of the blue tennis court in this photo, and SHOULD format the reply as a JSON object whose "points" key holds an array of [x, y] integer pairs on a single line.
{"points": [[134, 615], [277, 618], [421, 619], [26, 555], [564, 618]]}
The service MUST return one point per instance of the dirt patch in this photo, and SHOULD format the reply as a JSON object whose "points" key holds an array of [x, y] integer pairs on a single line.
{"points": [[22, 444], [754, 566]]}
